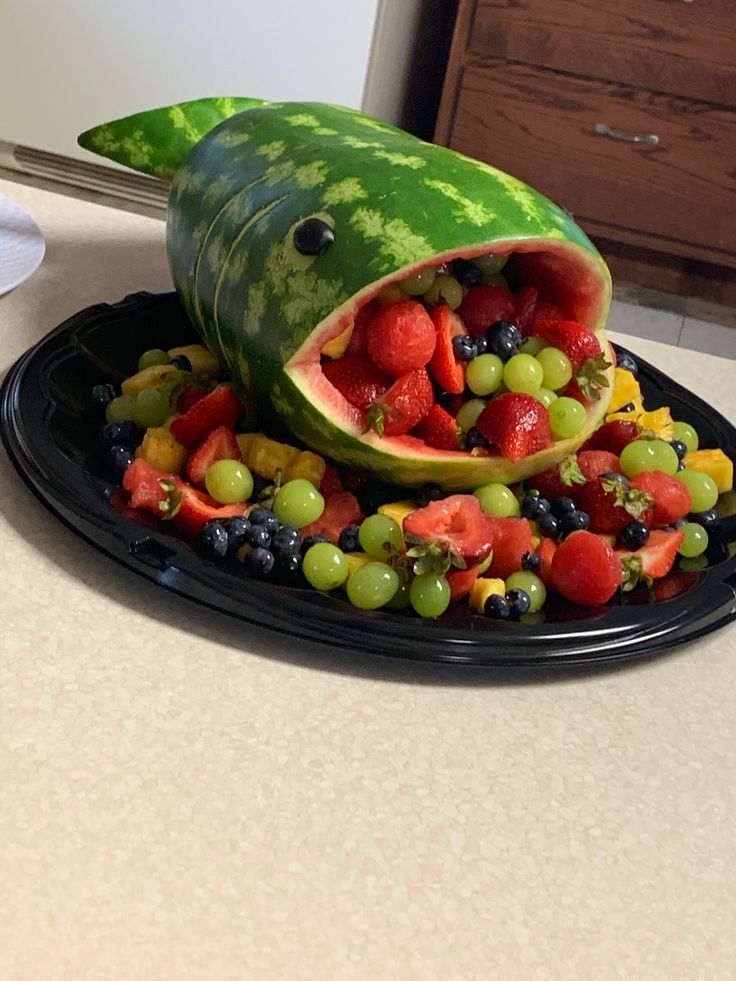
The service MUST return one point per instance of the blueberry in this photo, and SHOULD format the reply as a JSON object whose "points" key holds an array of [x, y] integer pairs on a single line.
{"points": [[373, 494], [214, 539], [481, 344], [101, 395], [348, 540], [625, 360], [681, 465], [466, 273], [286, 567], [634, 534], [464, 347], [286, 540], [679, 447], [530, 561], [312, 540], [264, 518], [496, 607], [533, 506], [313, 237], [258, 537], [504, 339], [429, 492], [474, 438], [182, 362], [574, 521], [119, 459], [706, 519], [549, 525], [237, 532], [121, 433], [519, 602], [562, 505], [259, 562]]}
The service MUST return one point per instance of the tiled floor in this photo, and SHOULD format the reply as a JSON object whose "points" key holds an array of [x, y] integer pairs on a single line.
{"points": [[673, 328]]}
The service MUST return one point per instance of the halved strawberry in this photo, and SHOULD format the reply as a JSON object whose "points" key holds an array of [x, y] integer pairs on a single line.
{"points": [[585, 569], [525, 302], [398, 410], [578, 343], [517, 424], [357, 379], [484, 305], [444, 367], [190, 509], [456, 524], [652, 561], [672, 499], [438, 429], [401, 337], [558, 481], [512, 539], [612, 436], [340, 510], [610, 505], [220, 444], [221, 407]]}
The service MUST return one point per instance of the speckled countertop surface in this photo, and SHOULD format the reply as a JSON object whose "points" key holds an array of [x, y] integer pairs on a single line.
{"points": [[187, 797]]}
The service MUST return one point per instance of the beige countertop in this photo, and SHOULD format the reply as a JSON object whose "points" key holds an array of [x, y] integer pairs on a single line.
{"points": [[184, 796]]}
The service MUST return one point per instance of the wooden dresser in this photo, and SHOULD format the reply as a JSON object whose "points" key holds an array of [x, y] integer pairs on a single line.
{"points": [[623, 111]]}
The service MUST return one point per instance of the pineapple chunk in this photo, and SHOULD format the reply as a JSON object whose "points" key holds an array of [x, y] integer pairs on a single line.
{"points": [[398, 510], [202, 360], [152, 377], [626, 390], [482, 589], [266, 456], [659, 422], [338, 345], [162, 451], [305, 464], [245, 441], [715, 464]]}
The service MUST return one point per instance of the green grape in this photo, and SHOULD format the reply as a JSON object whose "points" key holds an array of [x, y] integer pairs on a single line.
{"points": [[532, 345], [229, 482], [531, 584], [703, 489], [566, 417], [546, 396], [523, 373], [695, 541], [151, 408], [490, 265], [401, 598], [430, 594], [648, 454], [498, 501], [468, 413], [484, 374], [557, 368], [325, 566], [445, 289], [418, 283], [685, 432], [376, 532], [298, 503], [153, 357], [120, 409], [497, 280], [372, 585]]}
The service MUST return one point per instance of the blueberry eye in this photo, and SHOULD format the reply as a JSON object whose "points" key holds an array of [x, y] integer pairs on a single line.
{"points": [[313, 237]]}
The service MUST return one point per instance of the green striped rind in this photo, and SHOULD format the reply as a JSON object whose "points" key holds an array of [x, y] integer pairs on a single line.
{"points": [[157, 141]]}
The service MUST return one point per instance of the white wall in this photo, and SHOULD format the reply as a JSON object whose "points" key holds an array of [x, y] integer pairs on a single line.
{"points": [[66, 65]]}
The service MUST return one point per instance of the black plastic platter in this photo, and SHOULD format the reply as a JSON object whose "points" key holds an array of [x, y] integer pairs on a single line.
{"points": [[50, 433]]}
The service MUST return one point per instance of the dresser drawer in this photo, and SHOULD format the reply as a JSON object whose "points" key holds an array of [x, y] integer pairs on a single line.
{"points": [[684, 48], [541, 126]]}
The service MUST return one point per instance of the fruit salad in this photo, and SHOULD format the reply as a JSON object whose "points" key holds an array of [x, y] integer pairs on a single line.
{"points": [[631, 513]]}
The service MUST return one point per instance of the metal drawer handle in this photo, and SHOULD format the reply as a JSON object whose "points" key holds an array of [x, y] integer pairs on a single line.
{"points": [[616, 134]]}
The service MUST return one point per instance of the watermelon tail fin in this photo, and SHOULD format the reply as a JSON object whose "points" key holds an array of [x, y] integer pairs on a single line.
{"points": [[156, 142]]}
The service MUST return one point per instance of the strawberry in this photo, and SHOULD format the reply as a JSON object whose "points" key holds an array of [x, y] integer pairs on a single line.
{"points": [[402, 406], [444, 367], [525, 303], [590, 379], [512, 539], [585, 569], [611, 504], [558, 481], [593, 463], [517, 424], [672, 499], [484, 305], [546, 553], [455, 525], [460, 581], [357, 378], [612, 436], [401, 337], [653, 561], [340, 511], [578, 343], [438, 429], [221, 407], [220, 444]]}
